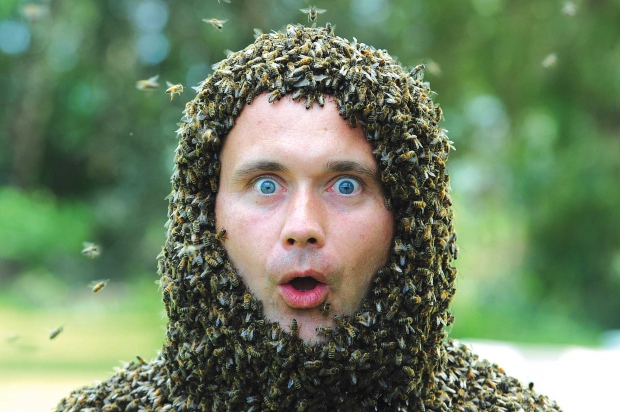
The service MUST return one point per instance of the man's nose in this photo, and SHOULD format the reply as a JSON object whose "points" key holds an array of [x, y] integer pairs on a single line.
{"points": [[304, 222]]}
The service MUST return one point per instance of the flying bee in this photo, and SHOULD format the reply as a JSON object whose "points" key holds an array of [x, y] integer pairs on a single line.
{"points": [[218, 24], [174, 89], [149, 84], [90, 250], [56, 332], [312, 12], [97, 286]]}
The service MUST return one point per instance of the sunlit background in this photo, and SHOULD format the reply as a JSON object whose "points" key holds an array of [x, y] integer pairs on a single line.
{"points": [[530, 93]]}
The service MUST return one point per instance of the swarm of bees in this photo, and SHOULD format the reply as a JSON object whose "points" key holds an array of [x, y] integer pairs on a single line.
{"points": [[220, 352]]}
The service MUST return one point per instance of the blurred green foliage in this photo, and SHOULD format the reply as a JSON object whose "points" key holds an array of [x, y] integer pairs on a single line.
{"points": [[87, 157]]}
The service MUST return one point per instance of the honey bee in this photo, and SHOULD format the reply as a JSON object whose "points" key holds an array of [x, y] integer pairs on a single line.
{"points": [[313, 364], [149, 84], [312, 12], [409, 371], [220, 235], [427, 232], [294, 328], [91, 250], [247, 300], [398, 358], [142, 362], [218, 24], [323, 330], [174, 89], [325, 308], [251, 350], [56, 332], [399, 247], [294, 381], [351, 331], [97, 286], [409, 156], [417, 72]]}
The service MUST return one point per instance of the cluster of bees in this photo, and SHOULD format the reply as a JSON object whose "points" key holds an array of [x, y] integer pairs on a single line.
{"points": [[220, 352]]}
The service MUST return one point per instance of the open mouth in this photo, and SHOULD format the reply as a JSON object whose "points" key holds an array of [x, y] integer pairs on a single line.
{"points": [[304, 292], [304, 284]]}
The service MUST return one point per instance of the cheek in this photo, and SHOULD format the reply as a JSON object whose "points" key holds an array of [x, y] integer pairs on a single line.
{"points": [[247, 234]]}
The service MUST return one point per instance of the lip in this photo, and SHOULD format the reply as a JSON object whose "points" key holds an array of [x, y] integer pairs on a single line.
{"points": [[303, 299]]}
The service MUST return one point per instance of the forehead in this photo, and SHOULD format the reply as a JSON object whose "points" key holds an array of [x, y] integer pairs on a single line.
{"points": [[287, 130]]}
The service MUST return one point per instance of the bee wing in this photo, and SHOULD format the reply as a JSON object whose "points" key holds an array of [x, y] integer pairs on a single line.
{"points": [[153, 79], [320, 11], [169, 84], [306, 11]]}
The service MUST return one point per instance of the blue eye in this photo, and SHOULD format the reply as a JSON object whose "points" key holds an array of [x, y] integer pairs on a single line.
{"points": [[346, 186], [266, 186]]}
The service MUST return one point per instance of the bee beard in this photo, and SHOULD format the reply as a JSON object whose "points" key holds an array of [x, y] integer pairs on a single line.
{"points": [[232, 356]]}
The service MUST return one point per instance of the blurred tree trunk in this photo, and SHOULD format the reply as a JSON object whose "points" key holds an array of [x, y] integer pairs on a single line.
{"points": [[27, 128]]}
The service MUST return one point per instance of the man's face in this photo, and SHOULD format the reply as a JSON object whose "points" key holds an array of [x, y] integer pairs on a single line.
{"points": [[302, 205]]}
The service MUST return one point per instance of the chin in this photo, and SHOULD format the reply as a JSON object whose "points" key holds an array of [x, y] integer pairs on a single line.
{"points": [[308, 320]]}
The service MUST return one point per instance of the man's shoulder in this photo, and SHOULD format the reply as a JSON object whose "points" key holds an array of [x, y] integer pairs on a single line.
{"points": [[468, 383]]}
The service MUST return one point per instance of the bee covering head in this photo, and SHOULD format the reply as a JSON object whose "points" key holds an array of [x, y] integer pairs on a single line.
{"points": [[221, 352], [409, 297]]}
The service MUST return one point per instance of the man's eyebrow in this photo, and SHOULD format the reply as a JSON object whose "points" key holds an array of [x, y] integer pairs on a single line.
{"points": [[259, 166], [343, 166]]}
